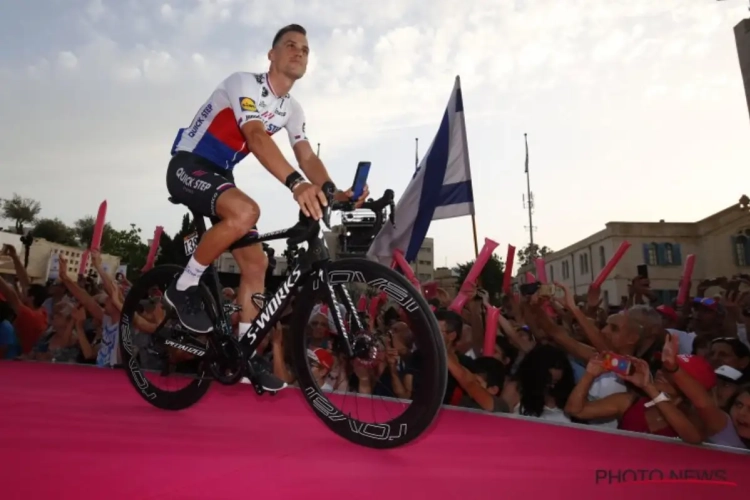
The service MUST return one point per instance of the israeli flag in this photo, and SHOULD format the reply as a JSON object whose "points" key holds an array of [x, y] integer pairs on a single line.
{"points": [[440, 189]]}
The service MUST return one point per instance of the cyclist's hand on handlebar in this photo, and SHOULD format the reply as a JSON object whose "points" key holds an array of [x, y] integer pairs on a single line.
{"points": [[345, 196], [310, 199]]}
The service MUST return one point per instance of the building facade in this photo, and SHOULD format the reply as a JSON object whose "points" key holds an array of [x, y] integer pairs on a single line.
{"points": [[720, 242], [447, 280], [42, 262]]}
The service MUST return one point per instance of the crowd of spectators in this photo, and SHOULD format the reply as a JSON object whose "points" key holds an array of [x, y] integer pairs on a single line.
{"points": [[690, 376]]}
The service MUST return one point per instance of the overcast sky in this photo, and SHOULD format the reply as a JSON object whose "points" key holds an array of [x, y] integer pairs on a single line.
{"points": [[634, 108]]}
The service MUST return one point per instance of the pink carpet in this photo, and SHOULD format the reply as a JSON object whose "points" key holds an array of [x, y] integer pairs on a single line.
{"points": [[71, 432]]}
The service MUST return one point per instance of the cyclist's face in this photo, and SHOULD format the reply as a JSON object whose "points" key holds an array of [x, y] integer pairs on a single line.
{"points": [[290, 55]]}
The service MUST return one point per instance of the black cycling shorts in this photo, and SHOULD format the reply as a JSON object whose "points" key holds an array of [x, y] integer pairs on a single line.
{"points": [[197, 183]]}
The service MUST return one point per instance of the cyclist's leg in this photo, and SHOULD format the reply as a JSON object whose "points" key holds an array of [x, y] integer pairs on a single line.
{"points": [[209, 193], [253, 263]]}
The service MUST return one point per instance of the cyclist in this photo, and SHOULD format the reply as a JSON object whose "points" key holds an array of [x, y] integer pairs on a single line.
{"points": [[238, 119]]}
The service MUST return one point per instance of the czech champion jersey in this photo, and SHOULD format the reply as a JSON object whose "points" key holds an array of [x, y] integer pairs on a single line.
{"points": [[215, 131]]}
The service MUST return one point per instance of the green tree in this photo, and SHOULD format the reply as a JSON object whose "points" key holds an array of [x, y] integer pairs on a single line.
{"points": [[21, 211], [56, 231], [491, 278], [129, 246], [527, 254], [84, 229]]}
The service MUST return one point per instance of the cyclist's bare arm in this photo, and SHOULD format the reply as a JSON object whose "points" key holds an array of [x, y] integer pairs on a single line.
{"points": [[265, 150], [311, 164]]}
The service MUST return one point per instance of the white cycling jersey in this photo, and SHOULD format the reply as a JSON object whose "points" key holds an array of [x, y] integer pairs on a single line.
{"points": [[215, 131]]}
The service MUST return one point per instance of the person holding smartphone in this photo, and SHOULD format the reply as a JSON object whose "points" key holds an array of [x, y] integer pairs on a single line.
{"points": [[657, 406]]}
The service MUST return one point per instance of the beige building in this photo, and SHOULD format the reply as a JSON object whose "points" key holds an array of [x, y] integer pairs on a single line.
{"points": [[424, 264], [720, 242], [42, 262], [447, 280]]}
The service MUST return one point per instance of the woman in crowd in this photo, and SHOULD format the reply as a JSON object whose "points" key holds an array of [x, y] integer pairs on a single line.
{"points": [[739, 411], [717, 426], [542, 385], [58, 344]]}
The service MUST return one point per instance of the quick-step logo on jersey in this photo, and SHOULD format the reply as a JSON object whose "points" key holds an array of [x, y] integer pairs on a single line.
{"points": [[205, 113], [248, 104]]}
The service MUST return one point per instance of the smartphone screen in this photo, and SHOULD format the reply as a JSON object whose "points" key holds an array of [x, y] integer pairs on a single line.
{"points": [[547, 290], [360, 179], [617, 364]]}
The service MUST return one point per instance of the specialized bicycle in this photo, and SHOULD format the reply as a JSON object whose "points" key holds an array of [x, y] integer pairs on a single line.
{"points": [[314, 279]]}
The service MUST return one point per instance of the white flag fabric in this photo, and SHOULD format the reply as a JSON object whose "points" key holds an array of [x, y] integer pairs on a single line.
{"points": [[440, 189]]}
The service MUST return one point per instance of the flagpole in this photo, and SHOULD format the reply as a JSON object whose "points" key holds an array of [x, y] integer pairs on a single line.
{"points": [[530, 199], [474, 228], [466, 156], [416, 153]]}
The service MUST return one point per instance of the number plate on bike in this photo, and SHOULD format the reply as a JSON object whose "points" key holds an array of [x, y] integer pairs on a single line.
{"points": [[191, 242]]}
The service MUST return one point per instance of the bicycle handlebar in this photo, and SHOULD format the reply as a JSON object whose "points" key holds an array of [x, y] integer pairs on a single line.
{"points": [[376, 206], [304, 227]]}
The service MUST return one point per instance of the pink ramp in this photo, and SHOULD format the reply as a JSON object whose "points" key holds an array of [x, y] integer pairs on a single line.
{"points": [[74, 432]]}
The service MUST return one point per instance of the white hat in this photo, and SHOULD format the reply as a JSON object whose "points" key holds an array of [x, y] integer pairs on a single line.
{"points": [[728, 373]]}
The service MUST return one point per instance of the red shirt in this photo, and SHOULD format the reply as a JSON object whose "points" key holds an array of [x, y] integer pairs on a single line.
{"points": [[30, 324]]}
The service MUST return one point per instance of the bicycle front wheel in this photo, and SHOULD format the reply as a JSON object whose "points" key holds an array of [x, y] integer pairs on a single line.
{"points": [[414, 335]]}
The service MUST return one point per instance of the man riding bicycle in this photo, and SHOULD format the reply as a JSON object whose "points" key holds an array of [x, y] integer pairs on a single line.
{"points": [[238, 119]]}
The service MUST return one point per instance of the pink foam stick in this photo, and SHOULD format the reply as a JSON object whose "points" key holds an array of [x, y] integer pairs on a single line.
{"points": [[611, 264], [476, 270], [687, 276], [541, 271], [154, 249], [508, 276], [398, 257], [362, 304], [490, 331], [84, 262], [530, 278], [471, 279], [96, 239]]}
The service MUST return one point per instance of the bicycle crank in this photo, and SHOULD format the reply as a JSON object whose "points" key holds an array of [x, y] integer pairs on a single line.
{"points": [[226, 360]]}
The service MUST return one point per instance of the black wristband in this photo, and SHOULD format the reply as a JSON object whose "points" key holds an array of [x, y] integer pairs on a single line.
{"points": [[293, 179]]}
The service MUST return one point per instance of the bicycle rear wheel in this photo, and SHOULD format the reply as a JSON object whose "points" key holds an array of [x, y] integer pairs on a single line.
{"points": [[146, 358], [428, 391]]}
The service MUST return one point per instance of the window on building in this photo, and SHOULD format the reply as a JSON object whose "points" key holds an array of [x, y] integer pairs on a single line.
{"points": [[602, 257], [668, 254], [586, 263], [741, 250], [566, 270], [652, 254], [552, 273]]}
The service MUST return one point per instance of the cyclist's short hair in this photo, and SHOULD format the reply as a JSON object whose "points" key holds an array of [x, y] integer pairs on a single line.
{"points": [[290, 28]]}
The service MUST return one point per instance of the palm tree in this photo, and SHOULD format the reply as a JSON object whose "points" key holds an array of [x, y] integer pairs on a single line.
{"points": [[21, 211]]}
